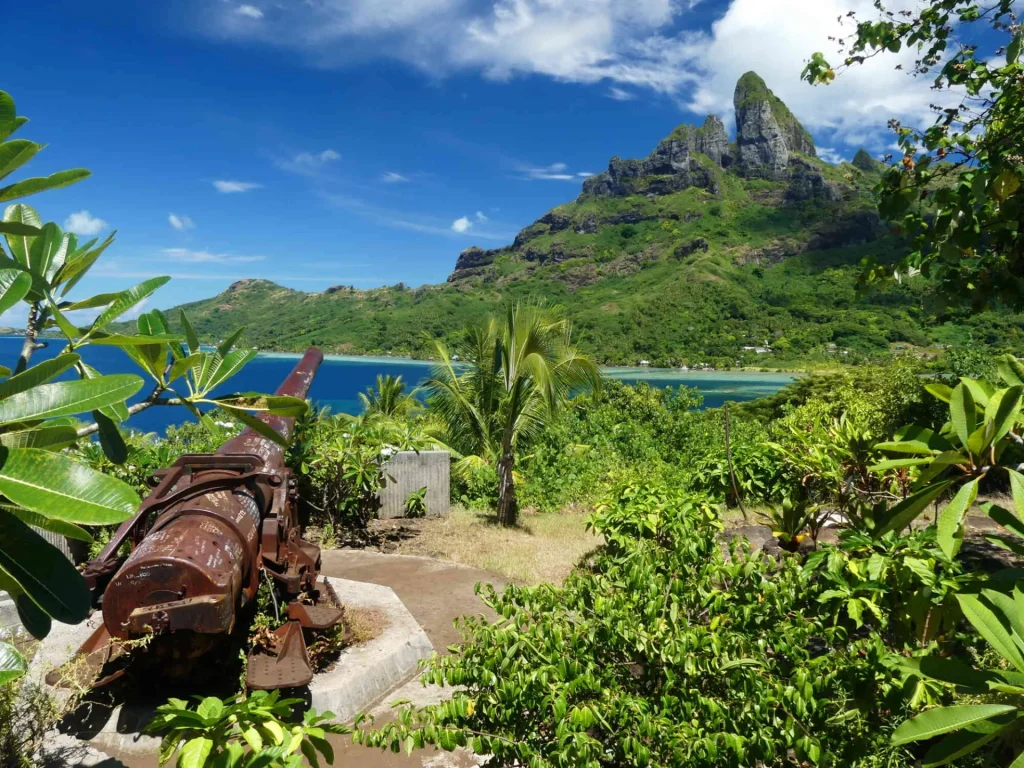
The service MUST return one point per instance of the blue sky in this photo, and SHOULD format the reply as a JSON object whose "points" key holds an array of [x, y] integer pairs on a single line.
{"points": [[361, 142]]}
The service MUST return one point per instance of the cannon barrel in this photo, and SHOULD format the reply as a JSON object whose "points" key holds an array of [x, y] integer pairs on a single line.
{"points": [[202, 538], [297, 384]]}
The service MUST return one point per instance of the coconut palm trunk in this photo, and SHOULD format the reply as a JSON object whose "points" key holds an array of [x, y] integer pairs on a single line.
{"points": [[508, 505]]}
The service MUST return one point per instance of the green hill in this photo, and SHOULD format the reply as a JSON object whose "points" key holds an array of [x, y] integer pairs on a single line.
{"points": [[689, 255]]}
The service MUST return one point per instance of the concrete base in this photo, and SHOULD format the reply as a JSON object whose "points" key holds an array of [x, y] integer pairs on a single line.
{"points": [[9, 620], [361, 677], [366, 673]]}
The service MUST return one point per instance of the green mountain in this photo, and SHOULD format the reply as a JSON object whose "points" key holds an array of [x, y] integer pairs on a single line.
{"points": [[707, 250]]}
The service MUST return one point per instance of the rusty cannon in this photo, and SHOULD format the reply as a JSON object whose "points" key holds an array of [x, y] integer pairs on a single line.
{"points": [[212, 528]]}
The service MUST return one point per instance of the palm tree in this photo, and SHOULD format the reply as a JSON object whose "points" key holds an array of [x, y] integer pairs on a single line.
{"points": [[514, 375], [389, 399]]}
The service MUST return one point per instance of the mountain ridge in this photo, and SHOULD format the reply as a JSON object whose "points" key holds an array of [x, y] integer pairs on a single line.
{"points": [[702, 252]]}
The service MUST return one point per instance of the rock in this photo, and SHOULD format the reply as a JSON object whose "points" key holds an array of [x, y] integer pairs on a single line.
{"points": [[865, 162], [555, 220], [772, 253], [685, 249], [763, 151], [713, 141], [767, 133], [670, 168], [471, 261], [528, 234], [855, 229], [806, 182], [589, 226]]}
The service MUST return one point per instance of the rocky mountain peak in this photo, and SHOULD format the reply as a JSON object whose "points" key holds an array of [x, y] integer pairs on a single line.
{"points": [[866, 162], [766, 131]]}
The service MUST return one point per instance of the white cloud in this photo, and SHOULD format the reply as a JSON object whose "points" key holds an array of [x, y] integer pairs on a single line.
{"points": [[227, 187], [626, 45], [308, 163], [854, 109], [553, 172], [620, 95], [571, 40], [84, 223], [830, 155], [584, 174], [427, 225], [393, 178], [180, 222], [480, 216], [250, 11], [187, 256], [462, 224]]}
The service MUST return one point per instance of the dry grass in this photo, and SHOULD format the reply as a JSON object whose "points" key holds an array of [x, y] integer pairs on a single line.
{"points": [[365, 624], [544, 547]]}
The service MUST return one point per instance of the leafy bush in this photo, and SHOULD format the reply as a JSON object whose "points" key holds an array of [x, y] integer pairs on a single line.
{"points": [[416, 503], [662, 652], [242, 732], [339, 461]]}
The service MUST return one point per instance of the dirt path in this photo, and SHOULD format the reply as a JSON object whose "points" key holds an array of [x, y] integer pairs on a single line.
{"points": [[436, 593]]}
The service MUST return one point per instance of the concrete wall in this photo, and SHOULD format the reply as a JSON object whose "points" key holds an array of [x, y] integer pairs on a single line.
{"points": [[408, 471]]}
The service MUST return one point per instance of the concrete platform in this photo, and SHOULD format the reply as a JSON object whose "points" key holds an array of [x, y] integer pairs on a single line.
{"points": [[361, 677]]}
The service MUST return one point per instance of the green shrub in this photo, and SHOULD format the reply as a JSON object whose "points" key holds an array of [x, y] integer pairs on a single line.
{"points": [[339, 460], [242, 732], [662, 652]]}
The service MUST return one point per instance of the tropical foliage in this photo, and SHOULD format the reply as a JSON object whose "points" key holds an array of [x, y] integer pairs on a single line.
{"points": [[515, 375], [956, 191], [242, 732], [388, 399], [43, 486], [662, 652]]}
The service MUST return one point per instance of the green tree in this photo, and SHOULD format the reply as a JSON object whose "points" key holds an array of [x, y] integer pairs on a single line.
{"points": [[956, 192], [388, 399], [519, 372]]}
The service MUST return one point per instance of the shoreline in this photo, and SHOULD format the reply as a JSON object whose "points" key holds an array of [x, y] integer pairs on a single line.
{"points": [[612, 371]]}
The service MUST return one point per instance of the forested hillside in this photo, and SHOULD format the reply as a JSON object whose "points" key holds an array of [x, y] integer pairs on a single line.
{"points": [[688, 256]]}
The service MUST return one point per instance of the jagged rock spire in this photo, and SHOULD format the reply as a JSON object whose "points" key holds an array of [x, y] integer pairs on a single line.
{"points": [[766, 131]]}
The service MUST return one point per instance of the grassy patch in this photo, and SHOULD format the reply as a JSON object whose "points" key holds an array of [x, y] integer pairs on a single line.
{"points": [[544, 547]]}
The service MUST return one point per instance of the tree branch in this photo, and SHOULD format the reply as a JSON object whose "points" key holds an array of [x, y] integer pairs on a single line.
{"points": [[30, 345], [153, 399]]}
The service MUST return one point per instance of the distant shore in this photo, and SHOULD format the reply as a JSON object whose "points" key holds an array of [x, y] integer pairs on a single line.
{"points": [[613, 371]]}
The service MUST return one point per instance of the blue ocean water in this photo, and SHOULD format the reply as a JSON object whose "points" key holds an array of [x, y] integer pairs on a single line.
{"points": [[341, 378]]}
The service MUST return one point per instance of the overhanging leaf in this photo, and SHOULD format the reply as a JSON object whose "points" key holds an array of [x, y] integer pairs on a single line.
{"points": [[51, 436], [111, 440], [992, 627], [38, 184], [59, 487], [70, 530], [128, 299], [905, 512], [190, 333], [950, 523], [256, 424], [67, 398], [963, 413], [14, 286], [941, 720], [42, 571], [37, 374]]}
